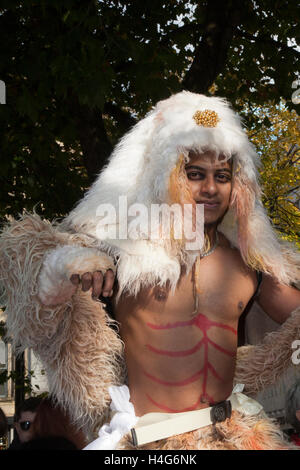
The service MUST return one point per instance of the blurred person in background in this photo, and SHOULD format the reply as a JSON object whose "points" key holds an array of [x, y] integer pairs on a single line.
{"points": [[24, 417], [51, 428]]}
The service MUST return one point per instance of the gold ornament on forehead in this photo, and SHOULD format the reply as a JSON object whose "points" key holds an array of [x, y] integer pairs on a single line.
{"points": [[206, 118]]}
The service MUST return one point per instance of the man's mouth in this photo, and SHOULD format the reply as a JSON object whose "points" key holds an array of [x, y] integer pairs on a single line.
{"points": [[209, 204]]}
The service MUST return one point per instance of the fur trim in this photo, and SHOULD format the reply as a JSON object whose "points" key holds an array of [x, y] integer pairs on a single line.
{"points": [[75, 341], [240, 432], [261, 365]]}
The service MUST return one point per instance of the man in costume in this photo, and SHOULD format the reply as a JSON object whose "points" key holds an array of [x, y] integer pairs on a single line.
{"points": [[176, 310]]}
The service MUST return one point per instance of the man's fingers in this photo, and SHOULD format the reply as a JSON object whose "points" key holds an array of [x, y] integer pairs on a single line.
{"points": [[86, 281], [109, 279], [100, 284], [97, 284], [75, 279]]}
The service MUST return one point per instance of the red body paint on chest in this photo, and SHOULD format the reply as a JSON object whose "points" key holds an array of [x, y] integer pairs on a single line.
{"points": [[204, 324]]}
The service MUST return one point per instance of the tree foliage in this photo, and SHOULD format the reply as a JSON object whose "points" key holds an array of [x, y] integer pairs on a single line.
{"points": [[278, 144], [79, 74]]}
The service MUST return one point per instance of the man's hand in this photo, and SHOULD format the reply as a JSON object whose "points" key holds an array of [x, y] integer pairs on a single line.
{"points": [[99, 283]]}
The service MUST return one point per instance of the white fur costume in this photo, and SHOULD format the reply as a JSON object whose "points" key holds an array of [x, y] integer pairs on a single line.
{"points": [[73, 336]]}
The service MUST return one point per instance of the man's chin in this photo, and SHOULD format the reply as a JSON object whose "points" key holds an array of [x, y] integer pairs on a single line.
{"points": [[213, 221]]}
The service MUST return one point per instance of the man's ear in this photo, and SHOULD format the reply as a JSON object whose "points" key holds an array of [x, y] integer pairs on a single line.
{"points": [[298, 415]]}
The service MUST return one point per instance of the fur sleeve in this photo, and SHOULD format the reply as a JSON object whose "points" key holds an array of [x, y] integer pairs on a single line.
{"points": [[74, 339], [261, 365]]}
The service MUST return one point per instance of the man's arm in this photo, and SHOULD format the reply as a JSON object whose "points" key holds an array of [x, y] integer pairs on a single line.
{"points": [[276, 299]]}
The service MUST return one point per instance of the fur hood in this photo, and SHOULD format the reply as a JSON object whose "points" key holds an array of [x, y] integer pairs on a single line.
{"points": [[140, 168]]}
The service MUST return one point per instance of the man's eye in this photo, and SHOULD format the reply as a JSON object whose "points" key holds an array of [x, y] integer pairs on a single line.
{"points": [[223, 177], [194, 175]]}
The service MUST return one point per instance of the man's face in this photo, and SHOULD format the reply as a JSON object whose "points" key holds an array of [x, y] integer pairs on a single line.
{"points": [[210, 182], [25, 421]]}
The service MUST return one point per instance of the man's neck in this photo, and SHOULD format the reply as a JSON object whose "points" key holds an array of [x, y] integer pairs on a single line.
{"points": [[210, 230]]}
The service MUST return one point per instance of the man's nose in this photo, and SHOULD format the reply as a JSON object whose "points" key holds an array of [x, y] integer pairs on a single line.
{"points": [[209, 185]]}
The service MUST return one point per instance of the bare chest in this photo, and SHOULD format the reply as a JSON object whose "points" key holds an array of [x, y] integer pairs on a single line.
{"points": [[219, 287], [215, 294]]}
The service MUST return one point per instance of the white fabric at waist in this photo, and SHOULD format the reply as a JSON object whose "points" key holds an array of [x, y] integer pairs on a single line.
{"points": [[154, 426]]}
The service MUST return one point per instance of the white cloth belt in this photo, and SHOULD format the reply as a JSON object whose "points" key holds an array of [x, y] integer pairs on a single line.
{"points": [[122, 421], [155, 426]]}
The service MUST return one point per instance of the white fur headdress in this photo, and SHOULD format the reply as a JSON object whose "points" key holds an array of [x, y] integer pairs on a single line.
{"points": [[140, 168]]}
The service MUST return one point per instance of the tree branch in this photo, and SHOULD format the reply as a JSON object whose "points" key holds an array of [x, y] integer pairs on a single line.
{"points": [[284, 211], [292, 151], [220, 25], [291, 190]]}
